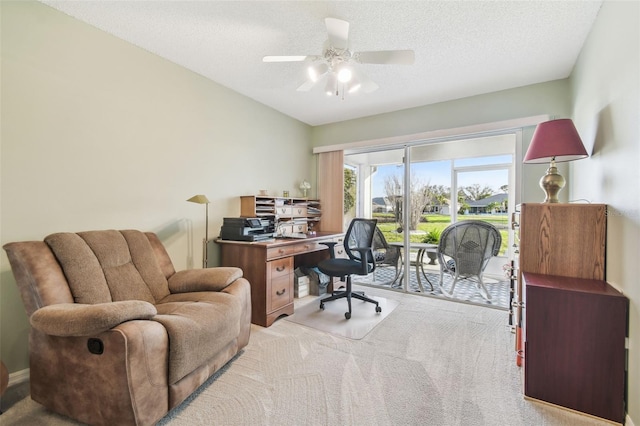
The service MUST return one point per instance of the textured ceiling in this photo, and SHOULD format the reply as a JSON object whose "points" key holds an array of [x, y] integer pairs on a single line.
{"points": [[461, 48]]}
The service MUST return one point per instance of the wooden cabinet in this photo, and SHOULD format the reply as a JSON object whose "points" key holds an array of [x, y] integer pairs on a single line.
{"points": [[574, 324], [575, 355], [279, 292], [563, 239], [293, 214], [269, 266]]}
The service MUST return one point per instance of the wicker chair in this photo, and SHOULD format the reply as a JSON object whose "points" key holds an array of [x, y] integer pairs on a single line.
{"points": [[384, 254], [464, 251]]}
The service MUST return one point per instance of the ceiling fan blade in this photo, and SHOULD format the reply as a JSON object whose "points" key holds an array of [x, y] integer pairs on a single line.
{"points": [[361, 83], [368, 85], [338, 31], [400, 57], [306, 86], [284, 58]]}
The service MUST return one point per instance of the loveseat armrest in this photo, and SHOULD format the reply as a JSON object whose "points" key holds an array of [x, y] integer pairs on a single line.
{"points": [[76, 319], [209, 279]]}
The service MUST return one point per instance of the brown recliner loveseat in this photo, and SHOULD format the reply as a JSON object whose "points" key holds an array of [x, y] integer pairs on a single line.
{"points": [[117, 335]]}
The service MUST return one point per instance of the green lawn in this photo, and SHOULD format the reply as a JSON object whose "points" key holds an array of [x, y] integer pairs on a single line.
{"points": [[434, 221]]}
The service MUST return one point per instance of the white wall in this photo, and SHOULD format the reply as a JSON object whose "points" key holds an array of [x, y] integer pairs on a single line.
{"points": [[606, 99], [99, 134]]}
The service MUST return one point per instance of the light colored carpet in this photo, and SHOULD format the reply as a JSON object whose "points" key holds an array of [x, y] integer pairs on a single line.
{"points": [[332, 320], [431, 362]]}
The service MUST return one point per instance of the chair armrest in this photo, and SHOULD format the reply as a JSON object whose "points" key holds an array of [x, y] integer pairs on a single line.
{"points": [[331, 245], [209, 279], [366, 257], [76, 319]]}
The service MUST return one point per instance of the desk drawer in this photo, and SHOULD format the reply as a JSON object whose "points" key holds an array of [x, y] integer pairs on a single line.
{"points": [[281, 267], [293, 211], [300, 227], [275, 252], [309, 247], [281, 293]]}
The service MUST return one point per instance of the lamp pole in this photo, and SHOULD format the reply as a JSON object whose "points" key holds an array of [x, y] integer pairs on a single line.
{"points": [[205, 253], [202, 199]]}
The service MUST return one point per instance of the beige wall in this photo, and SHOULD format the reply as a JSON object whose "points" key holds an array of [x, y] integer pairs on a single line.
{"points": [[545, 98], [606, 99], [98, 134]]}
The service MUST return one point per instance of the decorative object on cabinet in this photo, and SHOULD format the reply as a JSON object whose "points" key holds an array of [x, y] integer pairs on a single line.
{"points": [[554, 141], [305, 186], [560, 297], [202, 199]]}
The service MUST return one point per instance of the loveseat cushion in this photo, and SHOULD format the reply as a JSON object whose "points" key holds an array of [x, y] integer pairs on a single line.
{"points": [[108, 266], [198, 328], [81, 267]]}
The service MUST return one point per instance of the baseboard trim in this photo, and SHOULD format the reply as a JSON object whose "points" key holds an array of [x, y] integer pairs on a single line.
{"points": [[628, 421], [591, 416], [18, 377]]}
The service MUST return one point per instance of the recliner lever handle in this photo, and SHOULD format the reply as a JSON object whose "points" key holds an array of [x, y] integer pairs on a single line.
{"points": [[95, 346]]}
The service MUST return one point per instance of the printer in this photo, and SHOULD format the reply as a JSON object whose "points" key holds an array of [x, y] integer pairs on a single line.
{"points": [[248, 228]]}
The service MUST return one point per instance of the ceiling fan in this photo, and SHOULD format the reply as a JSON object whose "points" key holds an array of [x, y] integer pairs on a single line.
{"points": [[337, 62]]}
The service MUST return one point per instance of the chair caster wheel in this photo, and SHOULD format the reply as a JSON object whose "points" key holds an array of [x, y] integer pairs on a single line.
{"points": [[347, 315], [378, 309], [322, 306]]}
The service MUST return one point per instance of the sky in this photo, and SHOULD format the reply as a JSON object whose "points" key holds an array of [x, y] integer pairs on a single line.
{"points": [[439, 173]]}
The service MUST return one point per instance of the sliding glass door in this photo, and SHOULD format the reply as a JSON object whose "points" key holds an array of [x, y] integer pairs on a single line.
{"points": [[417, 190]]}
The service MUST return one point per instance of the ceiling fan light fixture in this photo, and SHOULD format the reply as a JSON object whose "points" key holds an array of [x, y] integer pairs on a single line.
{"points": [[344, 74], [332, 85], [316, 71]]}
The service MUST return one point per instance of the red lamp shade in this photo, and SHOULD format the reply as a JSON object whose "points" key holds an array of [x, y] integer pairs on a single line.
{"points": [[555, 140]]}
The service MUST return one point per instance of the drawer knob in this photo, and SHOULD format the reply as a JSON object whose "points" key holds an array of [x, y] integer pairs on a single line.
{"points": [[281, 292], [281, 268]]}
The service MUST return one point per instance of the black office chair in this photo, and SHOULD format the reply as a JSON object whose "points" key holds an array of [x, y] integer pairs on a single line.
{"points": [[358, 243]]}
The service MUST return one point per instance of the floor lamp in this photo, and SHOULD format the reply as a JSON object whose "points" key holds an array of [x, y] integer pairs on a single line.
{"points": [[202, 199]]}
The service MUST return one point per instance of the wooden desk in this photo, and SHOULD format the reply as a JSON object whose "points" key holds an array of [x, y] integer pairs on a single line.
{"points": [[269, 266]]}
